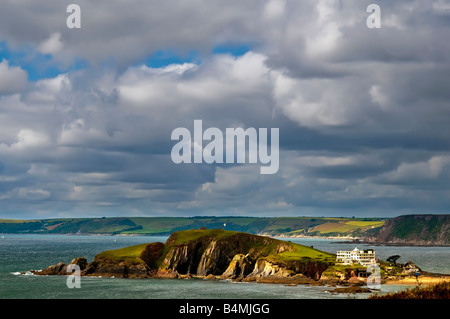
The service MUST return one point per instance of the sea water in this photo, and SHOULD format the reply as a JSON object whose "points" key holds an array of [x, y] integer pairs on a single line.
{"points": [[21, 253]]}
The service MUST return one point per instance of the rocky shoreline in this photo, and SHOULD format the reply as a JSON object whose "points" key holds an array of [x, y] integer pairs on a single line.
{"points": [[268, 274], [352, 285], [391, 243]]}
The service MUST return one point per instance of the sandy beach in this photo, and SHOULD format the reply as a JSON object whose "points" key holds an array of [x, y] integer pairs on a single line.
{"points": [[413, 281]]}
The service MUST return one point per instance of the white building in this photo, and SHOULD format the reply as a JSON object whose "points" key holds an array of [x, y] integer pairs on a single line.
{"points": [[356, 256]]}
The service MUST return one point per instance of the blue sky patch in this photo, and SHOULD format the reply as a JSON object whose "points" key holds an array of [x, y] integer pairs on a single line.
{"points": [[164, 58], [234, 50], [37, 65]]}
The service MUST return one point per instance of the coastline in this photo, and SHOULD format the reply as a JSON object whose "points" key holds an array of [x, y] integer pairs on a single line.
{"points": [[340, 239], [357, 240], [312, 237]]}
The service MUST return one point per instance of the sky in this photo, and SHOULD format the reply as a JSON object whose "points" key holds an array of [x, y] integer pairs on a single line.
{"points": [[86, 114]]}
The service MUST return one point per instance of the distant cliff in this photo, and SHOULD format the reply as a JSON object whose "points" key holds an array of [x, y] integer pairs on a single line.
{"points": [[414, 230], [212, 254]]}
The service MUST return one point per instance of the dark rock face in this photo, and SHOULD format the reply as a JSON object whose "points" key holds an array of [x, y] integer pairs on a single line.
{"points": [[81, 262], [103, 268], [151, 254], [209, 255], [239, 267], [108, 268], [58, 269], [311, 269]]}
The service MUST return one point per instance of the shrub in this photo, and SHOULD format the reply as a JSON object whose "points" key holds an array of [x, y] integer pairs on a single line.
{"points": [[436, 291]]}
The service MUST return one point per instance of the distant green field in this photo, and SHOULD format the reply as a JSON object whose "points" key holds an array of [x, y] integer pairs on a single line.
{"points": [[155, 225], [345, 226], [15, 221], [274, 226]]}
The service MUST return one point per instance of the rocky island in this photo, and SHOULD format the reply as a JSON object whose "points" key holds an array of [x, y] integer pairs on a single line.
{"points": [[211, 254], [222, 254]]}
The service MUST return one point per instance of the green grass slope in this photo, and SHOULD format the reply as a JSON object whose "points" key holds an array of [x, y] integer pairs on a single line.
{"points": [[123, 254], [275, 226]]}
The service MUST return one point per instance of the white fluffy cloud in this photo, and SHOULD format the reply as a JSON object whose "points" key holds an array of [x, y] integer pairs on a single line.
{"points": [[12, 78], [51, 45]]}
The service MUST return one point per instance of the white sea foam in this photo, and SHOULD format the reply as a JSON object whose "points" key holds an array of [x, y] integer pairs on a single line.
{"points": [[23, 273]]}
